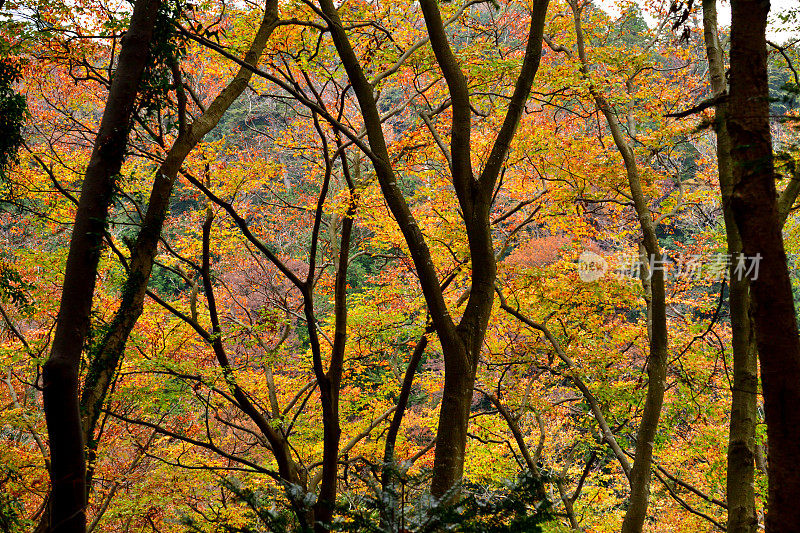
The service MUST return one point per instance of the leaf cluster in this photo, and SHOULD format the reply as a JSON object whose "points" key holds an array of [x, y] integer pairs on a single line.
{"points": [[13, 110], [166, 49]]}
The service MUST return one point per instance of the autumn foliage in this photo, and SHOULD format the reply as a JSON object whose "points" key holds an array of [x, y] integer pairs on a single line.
{"points": [[283, 303]]}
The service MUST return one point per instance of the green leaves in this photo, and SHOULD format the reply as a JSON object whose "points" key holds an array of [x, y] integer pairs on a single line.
{"points": [[13, 288], [13, 110], [166, 49]]}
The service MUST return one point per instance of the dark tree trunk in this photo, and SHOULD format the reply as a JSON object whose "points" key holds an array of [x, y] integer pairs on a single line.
{"points": [[755, 210], [451, 435], [109, 353], [330, 381], [460, 345], [742, 516], [60, 374], [389, 469], [461, 349]]}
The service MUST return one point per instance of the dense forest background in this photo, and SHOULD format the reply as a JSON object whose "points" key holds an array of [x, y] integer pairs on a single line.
{"points": [[296, 280]]}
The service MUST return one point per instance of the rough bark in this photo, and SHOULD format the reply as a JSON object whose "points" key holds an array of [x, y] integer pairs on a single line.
{"points": [[60, 373], [754, 206], [742, 516]]}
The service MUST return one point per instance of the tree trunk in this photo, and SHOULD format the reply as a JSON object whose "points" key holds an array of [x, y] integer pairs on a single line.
{"points": [[330, 382], [110, 351], [742, 516], [389, 468], [462, 351], [653, 282], [460, 345], [754, 207], [60, 373], [657, 361], [451, 435]]}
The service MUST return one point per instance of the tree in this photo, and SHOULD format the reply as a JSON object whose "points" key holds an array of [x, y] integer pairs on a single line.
{"points": [[755, 210], [60, 374], [461, 344], [109, 351], [262, 353], [653, 282]]}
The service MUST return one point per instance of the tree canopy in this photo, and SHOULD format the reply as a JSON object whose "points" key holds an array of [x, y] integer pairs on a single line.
{"points": [[397, 266]]}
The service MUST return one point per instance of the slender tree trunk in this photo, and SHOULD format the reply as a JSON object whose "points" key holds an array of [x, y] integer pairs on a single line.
{"points": [[112, 347], [653, 282], [389, 469], [60, 373], [657, 361], [742, 516], [755, 210], [397, 418], [330, 382], [288, 469], [460, 345]]}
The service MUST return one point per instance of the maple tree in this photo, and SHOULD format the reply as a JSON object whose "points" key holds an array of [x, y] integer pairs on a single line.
{"points": [[336, 279]]}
